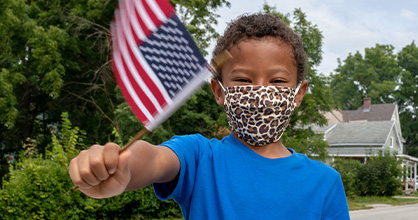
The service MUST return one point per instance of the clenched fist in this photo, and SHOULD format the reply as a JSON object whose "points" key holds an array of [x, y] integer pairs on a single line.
{"points": [[101, 172]]}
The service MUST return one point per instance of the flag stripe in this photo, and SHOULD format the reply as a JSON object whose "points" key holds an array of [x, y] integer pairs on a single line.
{"points": [[166, 8], [144, 15], [136, 37], [137, 31], [151, 15], [146, 82], [144, 27], [133, 89], [131, 93], [128, 98], [140, 76], [146, 73], [152, 80], [138, 89], [156, 9], [116, 63]]}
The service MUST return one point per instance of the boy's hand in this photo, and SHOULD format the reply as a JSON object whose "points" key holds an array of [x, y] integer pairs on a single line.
{"points": [[101, 172]]}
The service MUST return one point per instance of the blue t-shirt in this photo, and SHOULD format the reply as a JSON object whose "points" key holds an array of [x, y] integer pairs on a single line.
{"points": [[227, 180]]}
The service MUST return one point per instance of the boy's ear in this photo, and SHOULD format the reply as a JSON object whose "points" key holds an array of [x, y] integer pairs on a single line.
{"points": [[301, 93], [217, 91]]}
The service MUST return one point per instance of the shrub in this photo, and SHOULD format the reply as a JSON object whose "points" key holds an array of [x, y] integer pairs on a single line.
{"points": [[39, 187], [348, 169], [380, 176]]}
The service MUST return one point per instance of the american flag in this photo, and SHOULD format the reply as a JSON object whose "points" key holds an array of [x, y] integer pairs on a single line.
{"points": [[155, 61]]}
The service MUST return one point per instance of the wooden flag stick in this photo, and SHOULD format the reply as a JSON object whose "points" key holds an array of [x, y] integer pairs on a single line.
{"points": [[138, 136], [217, 63]]}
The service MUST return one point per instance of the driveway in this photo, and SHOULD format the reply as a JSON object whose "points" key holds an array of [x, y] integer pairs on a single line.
{"points": [[387, 212]]}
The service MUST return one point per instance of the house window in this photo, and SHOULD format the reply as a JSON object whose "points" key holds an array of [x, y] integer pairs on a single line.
{"points": [[391, 142]]}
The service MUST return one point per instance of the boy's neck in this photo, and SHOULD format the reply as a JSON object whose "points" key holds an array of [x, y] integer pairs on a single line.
{"points": [[272, 151]]}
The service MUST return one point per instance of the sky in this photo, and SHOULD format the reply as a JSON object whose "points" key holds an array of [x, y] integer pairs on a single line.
{"points": [[347, 26]]}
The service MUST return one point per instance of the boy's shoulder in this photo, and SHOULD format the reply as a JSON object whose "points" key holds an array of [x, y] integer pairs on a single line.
{"points": [[196, 139], [197, 142], [189, 136], [317, 166]]}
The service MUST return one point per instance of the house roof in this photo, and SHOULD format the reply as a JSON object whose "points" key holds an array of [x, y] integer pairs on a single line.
{"points": [[321, 129], [353, 151], [376, 112], [333, 116], [356, 133]]}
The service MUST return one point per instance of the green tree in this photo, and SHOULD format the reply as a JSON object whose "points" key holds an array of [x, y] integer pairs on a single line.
{"points": [[55, 56], [318, 97], [199, 18], [385, 77], [374, 75], [36, 55], [407, 97]]}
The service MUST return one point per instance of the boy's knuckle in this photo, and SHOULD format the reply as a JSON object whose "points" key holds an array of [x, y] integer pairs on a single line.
{"points": [[73, 162], [78, 182], [111, 147], [96, 162], [103, 176], [83, 153], [95, 147], [85, 173]]}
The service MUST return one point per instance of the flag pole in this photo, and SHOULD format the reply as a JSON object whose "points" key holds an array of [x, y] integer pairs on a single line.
{"points": [[217, 63], [138, 136]]}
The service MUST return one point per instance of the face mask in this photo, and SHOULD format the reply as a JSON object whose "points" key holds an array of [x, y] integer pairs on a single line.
{"points": [[259, 114]]}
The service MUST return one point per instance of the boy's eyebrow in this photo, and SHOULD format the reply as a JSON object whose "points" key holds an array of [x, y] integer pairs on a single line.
{"points": [[241, 70], [273, 71], [279, 70]]}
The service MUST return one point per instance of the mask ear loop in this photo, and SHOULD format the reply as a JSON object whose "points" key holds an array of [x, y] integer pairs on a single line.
{"points": [[221, 86], [297, 88]]}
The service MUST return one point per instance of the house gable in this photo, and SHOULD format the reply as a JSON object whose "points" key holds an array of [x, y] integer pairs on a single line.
{"points": [[376, 112], [364, 132], [374, 126], [360, 133]]}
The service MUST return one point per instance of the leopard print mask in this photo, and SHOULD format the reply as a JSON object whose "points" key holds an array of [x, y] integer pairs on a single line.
{"points": [[259, 114]]}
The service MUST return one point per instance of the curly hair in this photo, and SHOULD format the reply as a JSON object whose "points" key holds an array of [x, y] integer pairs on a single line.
{"points": [[257, 26]]}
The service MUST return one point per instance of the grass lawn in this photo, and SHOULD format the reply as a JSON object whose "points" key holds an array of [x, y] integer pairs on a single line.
{"points": [[365, 202]]}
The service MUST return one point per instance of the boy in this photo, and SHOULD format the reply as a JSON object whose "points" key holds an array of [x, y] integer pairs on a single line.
{"points": [[249, 174]]}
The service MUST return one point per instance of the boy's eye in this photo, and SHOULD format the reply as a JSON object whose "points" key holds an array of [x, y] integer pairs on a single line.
{"points": [[278, 81], [242, 80]]}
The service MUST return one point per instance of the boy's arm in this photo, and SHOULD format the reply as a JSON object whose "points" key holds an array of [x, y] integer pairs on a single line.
{"points": [[160, 165], [335, 205], [102, 172]]}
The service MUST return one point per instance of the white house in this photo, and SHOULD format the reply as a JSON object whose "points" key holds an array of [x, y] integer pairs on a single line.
{"points": [[362, 133]]}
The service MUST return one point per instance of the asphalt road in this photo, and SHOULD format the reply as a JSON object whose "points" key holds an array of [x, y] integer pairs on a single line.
{"points": [[387, 212]]}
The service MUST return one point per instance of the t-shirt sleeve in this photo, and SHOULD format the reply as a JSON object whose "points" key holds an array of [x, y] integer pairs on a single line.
{"points": [[335, 204], [187, 148]]}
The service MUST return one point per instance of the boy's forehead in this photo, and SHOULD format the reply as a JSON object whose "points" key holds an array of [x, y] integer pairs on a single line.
{"points": [[272, 39], [267, 55], [248, 44]]}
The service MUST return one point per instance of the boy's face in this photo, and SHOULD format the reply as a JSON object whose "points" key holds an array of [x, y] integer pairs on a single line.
{"points": [[267, 62]]}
